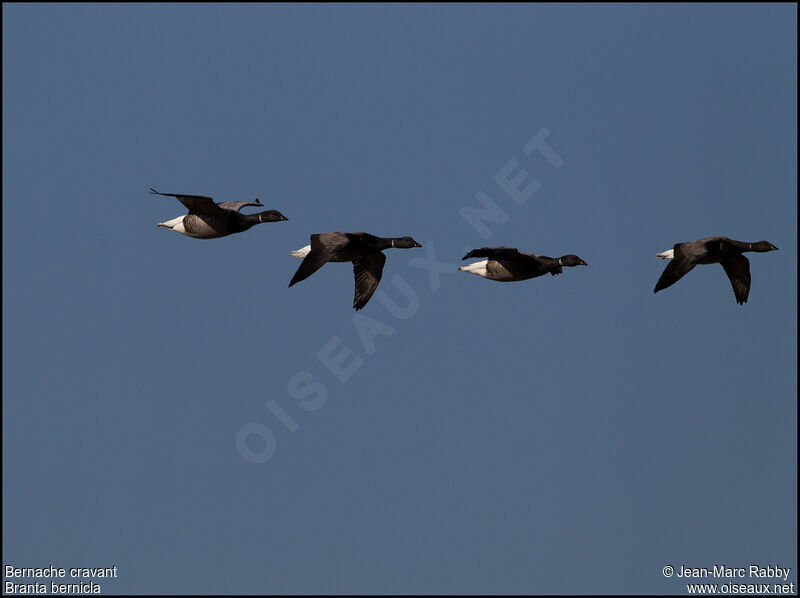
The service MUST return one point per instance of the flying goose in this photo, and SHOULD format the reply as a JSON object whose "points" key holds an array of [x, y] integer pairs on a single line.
{"points": [[209, 220], [507, 264], [712, 250], [363, 249]]}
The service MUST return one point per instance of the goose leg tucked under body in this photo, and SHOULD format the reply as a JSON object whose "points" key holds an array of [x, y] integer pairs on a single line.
{"points": [[666, 255]]}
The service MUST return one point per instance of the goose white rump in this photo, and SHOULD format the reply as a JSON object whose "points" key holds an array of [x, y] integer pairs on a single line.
{"points": [[175, 224], [478, 268], [302, 252]]}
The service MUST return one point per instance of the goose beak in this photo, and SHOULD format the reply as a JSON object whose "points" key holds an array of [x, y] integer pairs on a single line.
{"points": [[418, 245], [773, 247], [584, 263]]}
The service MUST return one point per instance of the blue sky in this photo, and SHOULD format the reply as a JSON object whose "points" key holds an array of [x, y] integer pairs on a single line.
{"points": [[570, 434]]}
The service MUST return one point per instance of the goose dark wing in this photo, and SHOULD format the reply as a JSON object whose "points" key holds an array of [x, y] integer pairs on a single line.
{"points": [[197, 204], [323, 248], [492, 252], [367, 272], [677, 268], [237, 206], [738, 271]]}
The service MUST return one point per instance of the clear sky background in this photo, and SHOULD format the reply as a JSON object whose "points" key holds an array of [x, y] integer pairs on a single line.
{"points": [[570, 434]]}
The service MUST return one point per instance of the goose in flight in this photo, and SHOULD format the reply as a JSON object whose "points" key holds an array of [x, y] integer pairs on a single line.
{"points": [[209, 220], [507, 264], [712, 250], [363, 249]]}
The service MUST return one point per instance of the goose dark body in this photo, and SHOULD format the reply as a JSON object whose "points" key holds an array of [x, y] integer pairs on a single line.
{"points": [[209, 220], [363, 249], [507, 264], [713, 250]]}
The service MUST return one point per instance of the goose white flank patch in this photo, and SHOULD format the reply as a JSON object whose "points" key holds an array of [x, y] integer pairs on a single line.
{"points": [[209, 220]]}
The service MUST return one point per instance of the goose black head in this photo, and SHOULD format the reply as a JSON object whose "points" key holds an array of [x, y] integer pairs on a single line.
{"points": [[764, 246], [405, 243], [270, 216], [572, 260]]}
